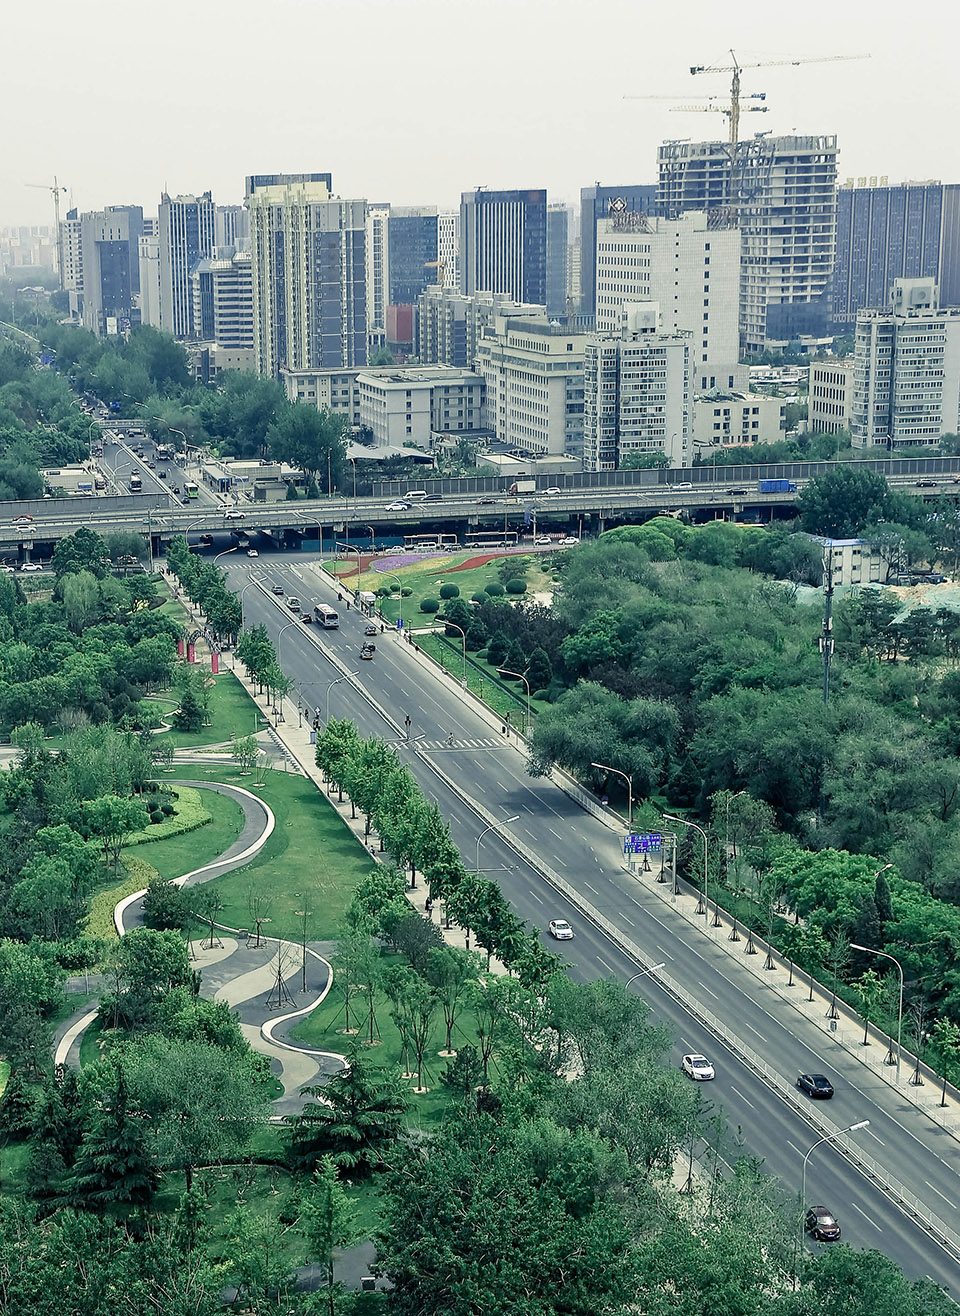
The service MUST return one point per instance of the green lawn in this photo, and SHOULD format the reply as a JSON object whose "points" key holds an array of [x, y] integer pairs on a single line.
{"points": [[176, 855], [324, 1028], [311, 851], [232, 713]]}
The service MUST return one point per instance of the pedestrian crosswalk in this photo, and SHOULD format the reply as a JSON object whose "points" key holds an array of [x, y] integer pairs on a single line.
{"points": [[455, 742]]}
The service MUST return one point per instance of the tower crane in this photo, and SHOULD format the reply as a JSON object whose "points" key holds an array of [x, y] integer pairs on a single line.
{"points": [[55, 190], [735, 107]]}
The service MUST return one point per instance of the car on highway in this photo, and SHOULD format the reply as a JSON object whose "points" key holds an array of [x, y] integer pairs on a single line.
{"points": [[569, 540], [821, 1224], [434, 498], [234, 514], [368, 650], [6, 569], [560, 929], [307, 617], [151, 464], [925, 484], [554, 489], [815, 1085], [543, 541], [163, 476], [399, 506], [252, 552], [293, 603], [22, 518], [737, 493], [698, 1068], [371, 629], [683, 486], [278, 589], [32, 566], [487, 502]]}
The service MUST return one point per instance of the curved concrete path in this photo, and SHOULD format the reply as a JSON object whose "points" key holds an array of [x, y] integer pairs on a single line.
{"points": [[255, 979]]}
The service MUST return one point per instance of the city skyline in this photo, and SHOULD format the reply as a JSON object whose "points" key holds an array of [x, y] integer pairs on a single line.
{"points": [[548, 112]]}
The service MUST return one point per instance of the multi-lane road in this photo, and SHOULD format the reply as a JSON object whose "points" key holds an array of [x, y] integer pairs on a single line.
{"points": [[449, 734]]}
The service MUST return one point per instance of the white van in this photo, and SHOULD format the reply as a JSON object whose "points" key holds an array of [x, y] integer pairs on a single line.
{"points": [[419, 494]]}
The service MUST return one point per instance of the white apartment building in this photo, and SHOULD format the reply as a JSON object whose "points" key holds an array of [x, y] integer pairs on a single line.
{"points": [[149, 249], [187, 234], [854, 561], [333, 390], [450, 323], [407, 407], [222, 315], [830, 397], [378, 269], [638, 392], [448, 248], [71, 258], [906, 371], [732, 419], [533, 373], [308, 254], [690, 266]]}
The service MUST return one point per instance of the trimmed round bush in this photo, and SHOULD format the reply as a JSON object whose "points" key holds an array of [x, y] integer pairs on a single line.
{"points": [[429, 605], [156, 815], [495, 589], [516, 586], [405, 591], [167, 809], [479, 596], [450, 591]]}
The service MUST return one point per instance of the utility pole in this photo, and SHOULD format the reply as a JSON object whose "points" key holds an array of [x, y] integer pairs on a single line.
{"points": [[826, 632]]}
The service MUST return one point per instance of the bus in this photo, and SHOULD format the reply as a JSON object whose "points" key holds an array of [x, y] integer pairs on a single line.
{"points": [[498, 539], [430, 542], [326, 616], [191, 489], [136, 484]]}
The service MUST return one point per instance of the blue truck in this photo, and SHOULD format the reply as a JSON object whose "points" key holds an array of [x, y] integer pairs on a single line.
{"points": [[777, 486]]}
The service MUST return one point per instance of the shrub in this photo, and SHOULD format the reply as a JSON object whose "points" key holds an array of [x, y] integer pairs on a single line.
{"points": [[495, 590], [479, 596], [156, 815], [429, 605], [516, 586], [167, 809], [449, 591], [405, 591]]}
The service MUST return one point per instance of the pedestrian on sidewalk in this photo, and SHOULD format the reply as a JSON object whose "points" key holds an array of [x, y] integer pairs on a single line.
{"points": [[428, 908]]}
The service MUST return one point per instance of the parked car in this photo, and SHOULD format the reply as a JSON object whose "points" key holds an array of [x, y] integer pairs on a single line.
{"points": [[560, 929], [698, 1068], [815, 1085], [822, 1224]]}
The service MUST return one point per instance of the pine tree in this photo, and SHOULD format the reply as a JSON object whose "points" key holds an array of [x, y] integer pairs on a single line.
{"points": [[17, 1108], [113, 1165]]}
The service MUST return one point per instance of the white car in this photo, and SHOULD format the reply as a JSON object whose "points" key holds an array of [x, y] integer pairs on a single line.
{"points": [[233, 515], [554, 489], [569, 540], [543, 541], [31, 566], [560, 929], [399, 507], [698, 1068], [683, 486], [252, 552]]}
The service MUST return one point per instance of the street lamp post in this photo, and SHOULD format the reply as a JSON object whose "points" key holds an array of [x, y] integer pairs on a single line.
{"points": [[605, 767], [242, 592], [302, 915], [868, 950], [827, 1137], [283, 631], [394, 576], [505, 671], [463, 641], [336, 681], [651, 968], [489, 828], [726, 830], [685, 822]]}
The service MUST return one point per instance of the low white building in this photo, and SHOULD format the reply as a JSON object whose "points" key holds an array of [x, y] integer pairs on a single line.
{"points": [[722, 420], [403, 407], [830, 405], [854, 561], [533, 372]]}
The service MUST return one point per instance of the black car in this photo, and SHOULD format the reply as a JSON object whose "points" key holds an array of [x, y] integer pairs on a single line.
{"points": [[815, 1085], [487, 502], [822, 1224], [737, 493]]}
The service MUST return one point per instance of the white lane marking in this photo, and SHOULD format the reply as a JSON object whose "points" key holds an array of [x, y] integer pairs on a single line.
{"points": [[753, 1030], [661, 951], [501, 785], [558, 860], [688, 1045], [591, 888], [795, 1148], [555, 833], [873, 1135], [866, 1217], [742, 1097], [635, 902], [605, 964], [536, 897], [629, 922], [939, 1194], [708, 991]]}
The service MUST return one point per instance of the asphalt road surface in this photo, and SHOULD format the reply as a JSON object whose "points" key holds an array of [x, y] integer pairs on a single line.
{"points": [[588, 855]]}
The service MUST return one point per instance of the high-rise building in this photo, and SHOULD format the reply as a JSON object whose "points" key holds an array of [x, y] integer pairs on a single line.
{"points": [[558, 245], [503, 244], [783, 193], [830, 395], [413, 252], [253, 182], [110, 241], [638, 392], [448, 249], [308, 253], [222, 290], [533, 372], [906, 370], [71, 267], [150, 280], [598, 203], [187, 235], [378, 298], [887, 232], [690, 266], [232, 229], [450, 324]]}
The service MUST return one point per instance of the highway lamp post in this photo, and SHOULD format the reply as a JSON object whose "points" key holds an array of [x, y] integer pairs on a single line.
{"points": [[726, 831], [224, 553], [395, 577], [242, 592], [869, 950], [463, 641], [283, 631], [373, 538], [651, 968], [351, 548], [489, 828], [605, 767], [505, 671], [827, 1137], [330, 684], [703, 903]]}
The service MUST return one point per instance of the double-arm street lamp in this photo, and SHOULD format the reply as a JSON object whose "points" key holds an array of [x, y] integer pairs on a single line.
{"points": [[868, 950], [685, 822], [605, 767], [489, 828], [521, 676], [827, 1137]]}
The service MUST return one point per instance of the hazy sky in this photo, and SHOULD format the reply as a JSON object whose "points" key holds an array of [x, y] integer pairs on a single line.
{"points": [[412, 101]]}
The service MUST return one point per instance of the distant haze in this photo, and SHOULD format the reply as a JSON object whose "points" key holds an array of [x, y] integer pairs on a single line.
{"points": [[415, 100]]}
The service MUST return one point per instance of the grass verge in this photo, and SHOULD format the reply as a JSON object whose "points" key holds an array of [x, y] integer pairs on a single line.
{"points": [[231, 713], [173, 856]]}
